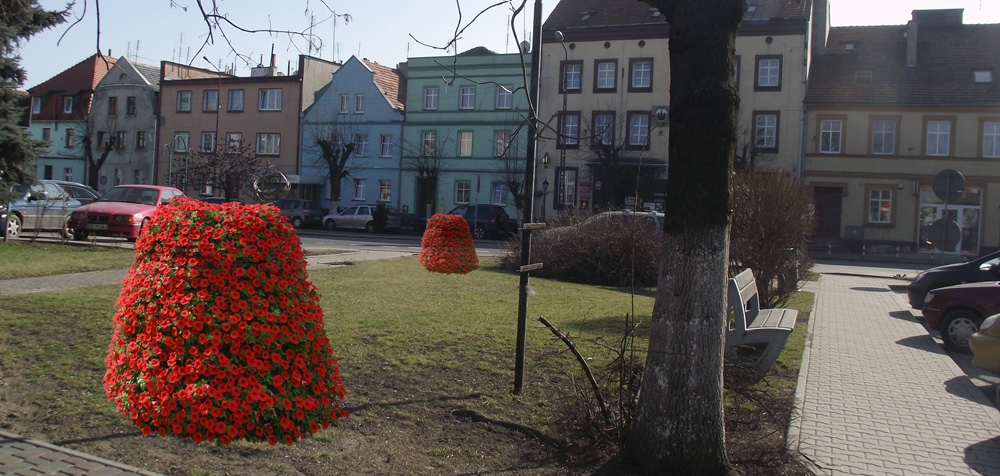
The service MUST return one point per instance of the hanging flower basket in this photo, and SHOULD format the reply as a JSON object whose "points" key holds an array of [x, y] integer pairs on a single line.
{"points": [[447, 246], [218, 335]]}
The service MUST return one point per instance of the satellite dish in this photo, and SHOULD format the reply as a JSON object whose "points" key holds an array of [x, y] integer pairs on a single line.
{"points": [[661, 114], [525, 47]]}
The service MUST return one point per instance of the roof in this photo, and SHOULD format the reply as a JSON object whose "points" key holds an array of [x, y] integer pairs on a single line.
{"points": [[947, 56], [82, 76], [391, 82], [151, 73]]}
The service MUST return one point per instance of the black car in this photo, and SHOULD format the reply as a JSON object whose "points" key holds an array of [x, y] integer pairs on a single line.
{"points": [[486, 221], [984, 268], [86, 195]]}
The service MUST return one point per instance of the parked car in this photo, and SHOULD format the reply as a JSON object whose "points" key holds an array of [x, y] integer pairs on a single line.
{"points": [[958, 311], [218, 200], [122, 212], [653, 220], [985, 345], [85, 194], [300, 212], [984, 268], [362, 217], [486, 221], [41, 206]]}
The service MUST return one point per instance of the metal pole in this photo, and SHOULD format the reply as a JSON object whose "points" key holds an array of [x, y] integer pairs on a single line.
{"points": [[529, 184], [166, 153], [562, 193]]}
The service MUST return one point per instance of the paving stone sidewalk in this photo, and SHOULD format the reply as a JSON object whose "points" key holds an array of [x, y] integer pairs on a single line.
{"points": [[878, 396], [26, 457]]}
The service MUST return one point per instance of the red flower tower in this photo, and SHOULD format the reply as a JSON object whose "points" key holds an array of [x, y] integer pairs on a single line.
{"points": [[447, 246]]}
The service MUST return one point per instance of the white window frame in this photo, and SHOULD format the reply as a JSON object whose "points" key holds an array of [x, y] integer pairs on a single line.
{"points": [[359, 189], [499, 195], [463, 190], [605, 75], [603, 129], [36, 105], [140, 140], [208, 141], [642, 74], [47, 133], [359, 103], [465, 144], [938, 141], [570, 130], [429, 144], [638, 129], [269, 100], [385, 145], [887, 136], [345, 102], [501, 139], [384, 190], [768, 73], [467, 97], [991, 139], [877, 198], [67, 105], [234, 141], [572, 76], [235, 100], [831, 133], [361, 145], [121, 140], [181, 142], [184, 101], [268, 143], [505, 97], [207, 103], [766, 123], [431, 98]]}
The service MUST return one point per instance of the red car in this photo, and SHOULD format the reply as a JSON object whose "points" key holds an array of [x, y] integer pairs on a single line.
{"points": [[958, 311], [120, 212]]}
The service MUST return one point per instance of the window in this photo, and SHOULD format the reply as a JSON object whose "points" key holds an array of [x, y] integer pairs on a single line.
{"points": [[120, 140], [139, 176], [69, 137], [112, 106], [765, 134], [938, 137], [641, 74], [384, 190], [883, 136], [119, 176], [234, 141], [359, 189], [880, 206], [565, 187], [269, 100], [207, 141], [465, 144], [430, 99], [991, 139], [183, 101], [385, 146], [603, 130], [210, 100], [102, 139], [569, 134], [361, 145], [505, 98], [499, 194], [130, 106], [572, 72], [463, 189], [47, 133], [68, 105], [36, 105], [467, 97], [181, 140], [604, 75], [638, 129], [235, 103], [430, 143], [982, 76], [830, 132], [503, 143], [359, 103], [345, 101], [140, 141], [268, 144], [768, 73], [48, 172]]}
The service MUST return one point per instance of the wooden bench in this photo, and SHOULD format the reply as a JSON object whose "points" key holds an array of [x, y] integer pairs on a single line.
{"points": [[756, 336]]}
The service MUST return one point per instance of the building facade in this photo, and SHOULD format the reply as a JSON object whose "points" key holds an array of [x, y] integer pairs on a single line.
{"points": [[464, 138], [890, 108], [361, 108]]}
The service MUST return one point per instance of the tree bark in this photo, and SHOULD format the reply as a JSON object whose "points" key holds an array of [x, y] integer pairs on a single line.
{"points": [[679, 426]]}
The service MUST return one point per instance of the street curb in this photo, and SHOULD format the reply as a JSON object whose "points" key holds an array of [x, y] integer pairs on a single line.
{"points": [[795, 426], [9, 440]]}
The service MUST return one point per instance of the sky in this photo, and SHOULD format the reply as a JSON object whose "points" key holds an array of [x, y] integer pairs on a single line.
{"points": [[380, 30]]}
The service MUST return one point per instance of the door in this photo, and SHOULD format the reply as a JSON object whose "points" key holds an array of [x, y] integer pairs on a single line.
{"points": [[829, 206], [426, 190]]}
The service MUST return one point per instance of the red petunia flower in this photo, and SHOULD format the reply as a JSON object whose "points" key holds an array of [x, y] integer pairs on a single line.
{"points": [[447, 246]]}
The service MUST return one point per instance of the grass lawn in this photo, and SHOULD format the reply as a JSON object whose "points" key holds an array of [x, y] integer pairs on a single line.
{"points": [[24, 259], [412, 346]]}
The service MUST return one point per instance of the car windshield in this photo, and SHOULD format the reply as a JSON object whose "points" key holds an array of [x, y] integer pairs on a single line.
{"points": [[145, 196]]}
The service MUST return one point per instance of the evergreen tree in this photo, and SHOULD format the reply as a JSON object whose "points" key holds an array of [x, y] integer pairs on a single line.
{"points": [[19, 20]]}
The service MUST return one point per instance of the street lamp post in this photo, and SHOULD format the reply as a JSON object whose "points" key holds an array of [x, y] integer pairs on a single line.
{"points": [[545, 191], [562, 193]]}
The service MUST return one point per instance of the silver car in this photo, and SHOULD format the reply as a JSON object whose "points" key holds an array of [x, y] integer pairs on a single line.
{"points": [[41, 206], [361, 217]]}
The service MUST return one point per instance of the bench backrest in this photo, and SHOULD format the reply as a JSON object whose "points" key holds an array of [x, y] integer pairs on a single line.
{"points": [[744, 304]]}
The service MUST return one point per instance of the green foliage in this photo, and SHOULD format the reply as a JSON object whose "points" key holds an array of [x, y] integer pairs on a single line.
{"points": [[19, 21], [772, 224]]}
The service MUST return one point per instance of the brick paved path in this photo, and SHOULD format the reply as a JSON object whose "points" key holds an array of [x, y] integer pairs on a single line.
{"points": [[24, 457], [878, 396]]}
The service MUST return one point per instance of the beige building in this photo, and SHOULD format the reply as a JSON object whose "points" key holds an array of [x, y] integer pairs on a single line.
{"points": [[605, 90], [201, 110], [891, 107]]}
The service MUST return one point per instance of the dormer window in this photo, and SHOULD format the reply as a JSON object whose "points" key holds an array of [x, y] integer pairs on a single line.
{"points": [[584, 16], [849, 47], [983, 76]]}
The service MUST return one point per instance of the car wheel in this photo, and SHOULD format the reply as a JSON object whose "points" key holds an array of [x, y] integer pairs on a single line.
{"points": [[297, 222], [479, 233], [65, 231], [13, 226], [370, 227], [957, 327], [330, 224]]}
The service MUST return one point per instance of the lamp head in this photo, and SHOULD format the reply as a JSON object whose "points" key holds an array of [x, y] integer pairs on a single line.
{"points": [[559, 36]]}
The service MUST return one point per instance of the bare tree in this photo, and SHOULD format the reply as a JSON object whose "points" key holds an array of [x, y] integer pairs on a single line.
{"points": [[105, 141], [230, 167], [335, 143], [426, 160]]}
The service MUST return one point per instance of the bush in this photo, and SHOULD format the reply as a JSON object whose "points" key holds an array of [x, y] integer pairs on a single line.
{"points": [[772, 225], [217, 333], [602, 252], [447, 246]]}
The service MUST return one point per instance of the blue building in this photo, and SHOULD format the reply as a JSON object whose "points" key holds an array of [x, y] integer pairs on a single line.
{"points": [[358, 118]]}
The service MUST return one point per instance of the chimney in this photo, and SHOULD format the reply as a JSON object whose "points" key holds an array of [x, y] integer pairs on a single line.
{"points": [[911, 43], [820, 26]]}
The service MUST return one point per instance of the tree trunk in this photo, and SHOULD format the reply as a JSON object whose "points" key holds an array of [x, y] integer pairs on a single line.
{"points": [[679, 426]]}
